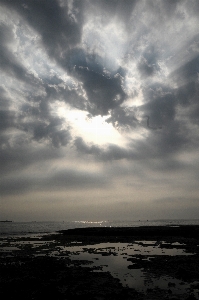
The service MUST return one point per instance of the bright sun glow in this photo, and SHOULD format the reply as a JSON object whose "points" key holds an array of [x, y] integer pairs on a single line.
{"points": [[95, 129]]}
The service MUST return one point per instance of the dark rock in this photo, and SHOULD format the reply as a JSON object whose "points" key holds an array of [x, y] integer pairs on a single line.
{"points": [[171, 284]]}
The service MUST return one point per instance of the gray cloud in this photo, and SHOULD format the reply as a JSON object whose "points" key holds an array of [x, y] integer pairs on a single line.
{"points": [[188, 72], [86, 149], [8, 62], [160, 103], [61, 29], [148, 64], [120, 61], [104, 93], [20, 155], [187, 93], [6, 119], [58, 27], [110, 153], [108, 9], [51, 131], [67, 179], [123, 117], [41, 126], [145, 68]]}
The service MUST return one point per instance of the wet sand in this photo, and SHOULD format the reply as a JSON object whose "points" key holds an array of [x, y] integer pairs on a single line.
{"points": [[102, 263]]}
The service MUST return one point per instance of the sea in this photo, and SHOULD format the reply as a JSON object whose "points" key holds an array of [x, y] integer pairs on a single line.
{"points": [[29, 228]]}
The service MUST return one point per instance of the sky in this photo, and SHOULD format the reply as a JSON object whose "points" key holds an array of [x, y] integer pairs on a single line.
{"points": [[99, 109]]}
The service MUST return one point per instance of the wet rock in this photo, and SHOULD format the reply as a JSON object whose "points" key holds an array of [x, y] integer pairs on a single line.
{"points": [[171, 284], [31, 277], [191, 297]]}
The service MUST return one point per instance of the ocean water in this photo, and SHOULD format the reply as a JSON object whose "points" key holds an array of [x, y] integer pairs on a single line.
{"points": [[26, 228]]}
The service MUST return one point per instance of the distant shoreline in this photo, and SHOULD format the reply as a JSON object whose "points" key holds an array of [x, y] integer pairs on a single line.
{"points": [[6, 221]]}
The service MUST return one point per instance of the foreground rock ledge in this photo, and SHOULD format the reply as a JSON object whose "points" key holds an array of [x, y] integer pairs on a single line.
{"points": [[28, 276]]}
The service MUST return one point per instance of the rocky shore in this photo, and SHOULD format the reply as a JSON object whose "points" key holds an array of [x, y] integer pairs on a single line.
{"points": [[162, 263]]}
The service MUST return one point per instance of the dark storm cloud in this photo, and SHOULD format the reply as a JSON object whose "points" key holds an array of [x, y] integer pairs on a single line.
{"points": [[123, 117], [60, 34], [60, 28], [65, 94], [57, 26], [104, 88], [166, 133], [104, 93], [51, 131]]}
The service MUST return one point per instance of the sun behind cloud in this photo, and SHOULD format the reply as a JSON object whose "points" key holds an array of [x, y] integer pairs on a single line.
{"points": [[92, 129]]}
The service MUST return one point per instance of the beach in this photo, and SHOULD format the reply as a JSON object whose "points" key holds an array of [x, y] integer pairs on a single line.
{"points": [[147, 262]]}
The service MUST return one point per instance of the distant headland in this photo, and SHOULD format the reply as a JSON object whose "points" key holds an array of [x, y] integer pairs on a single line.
{"points": [[5, 221]]}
